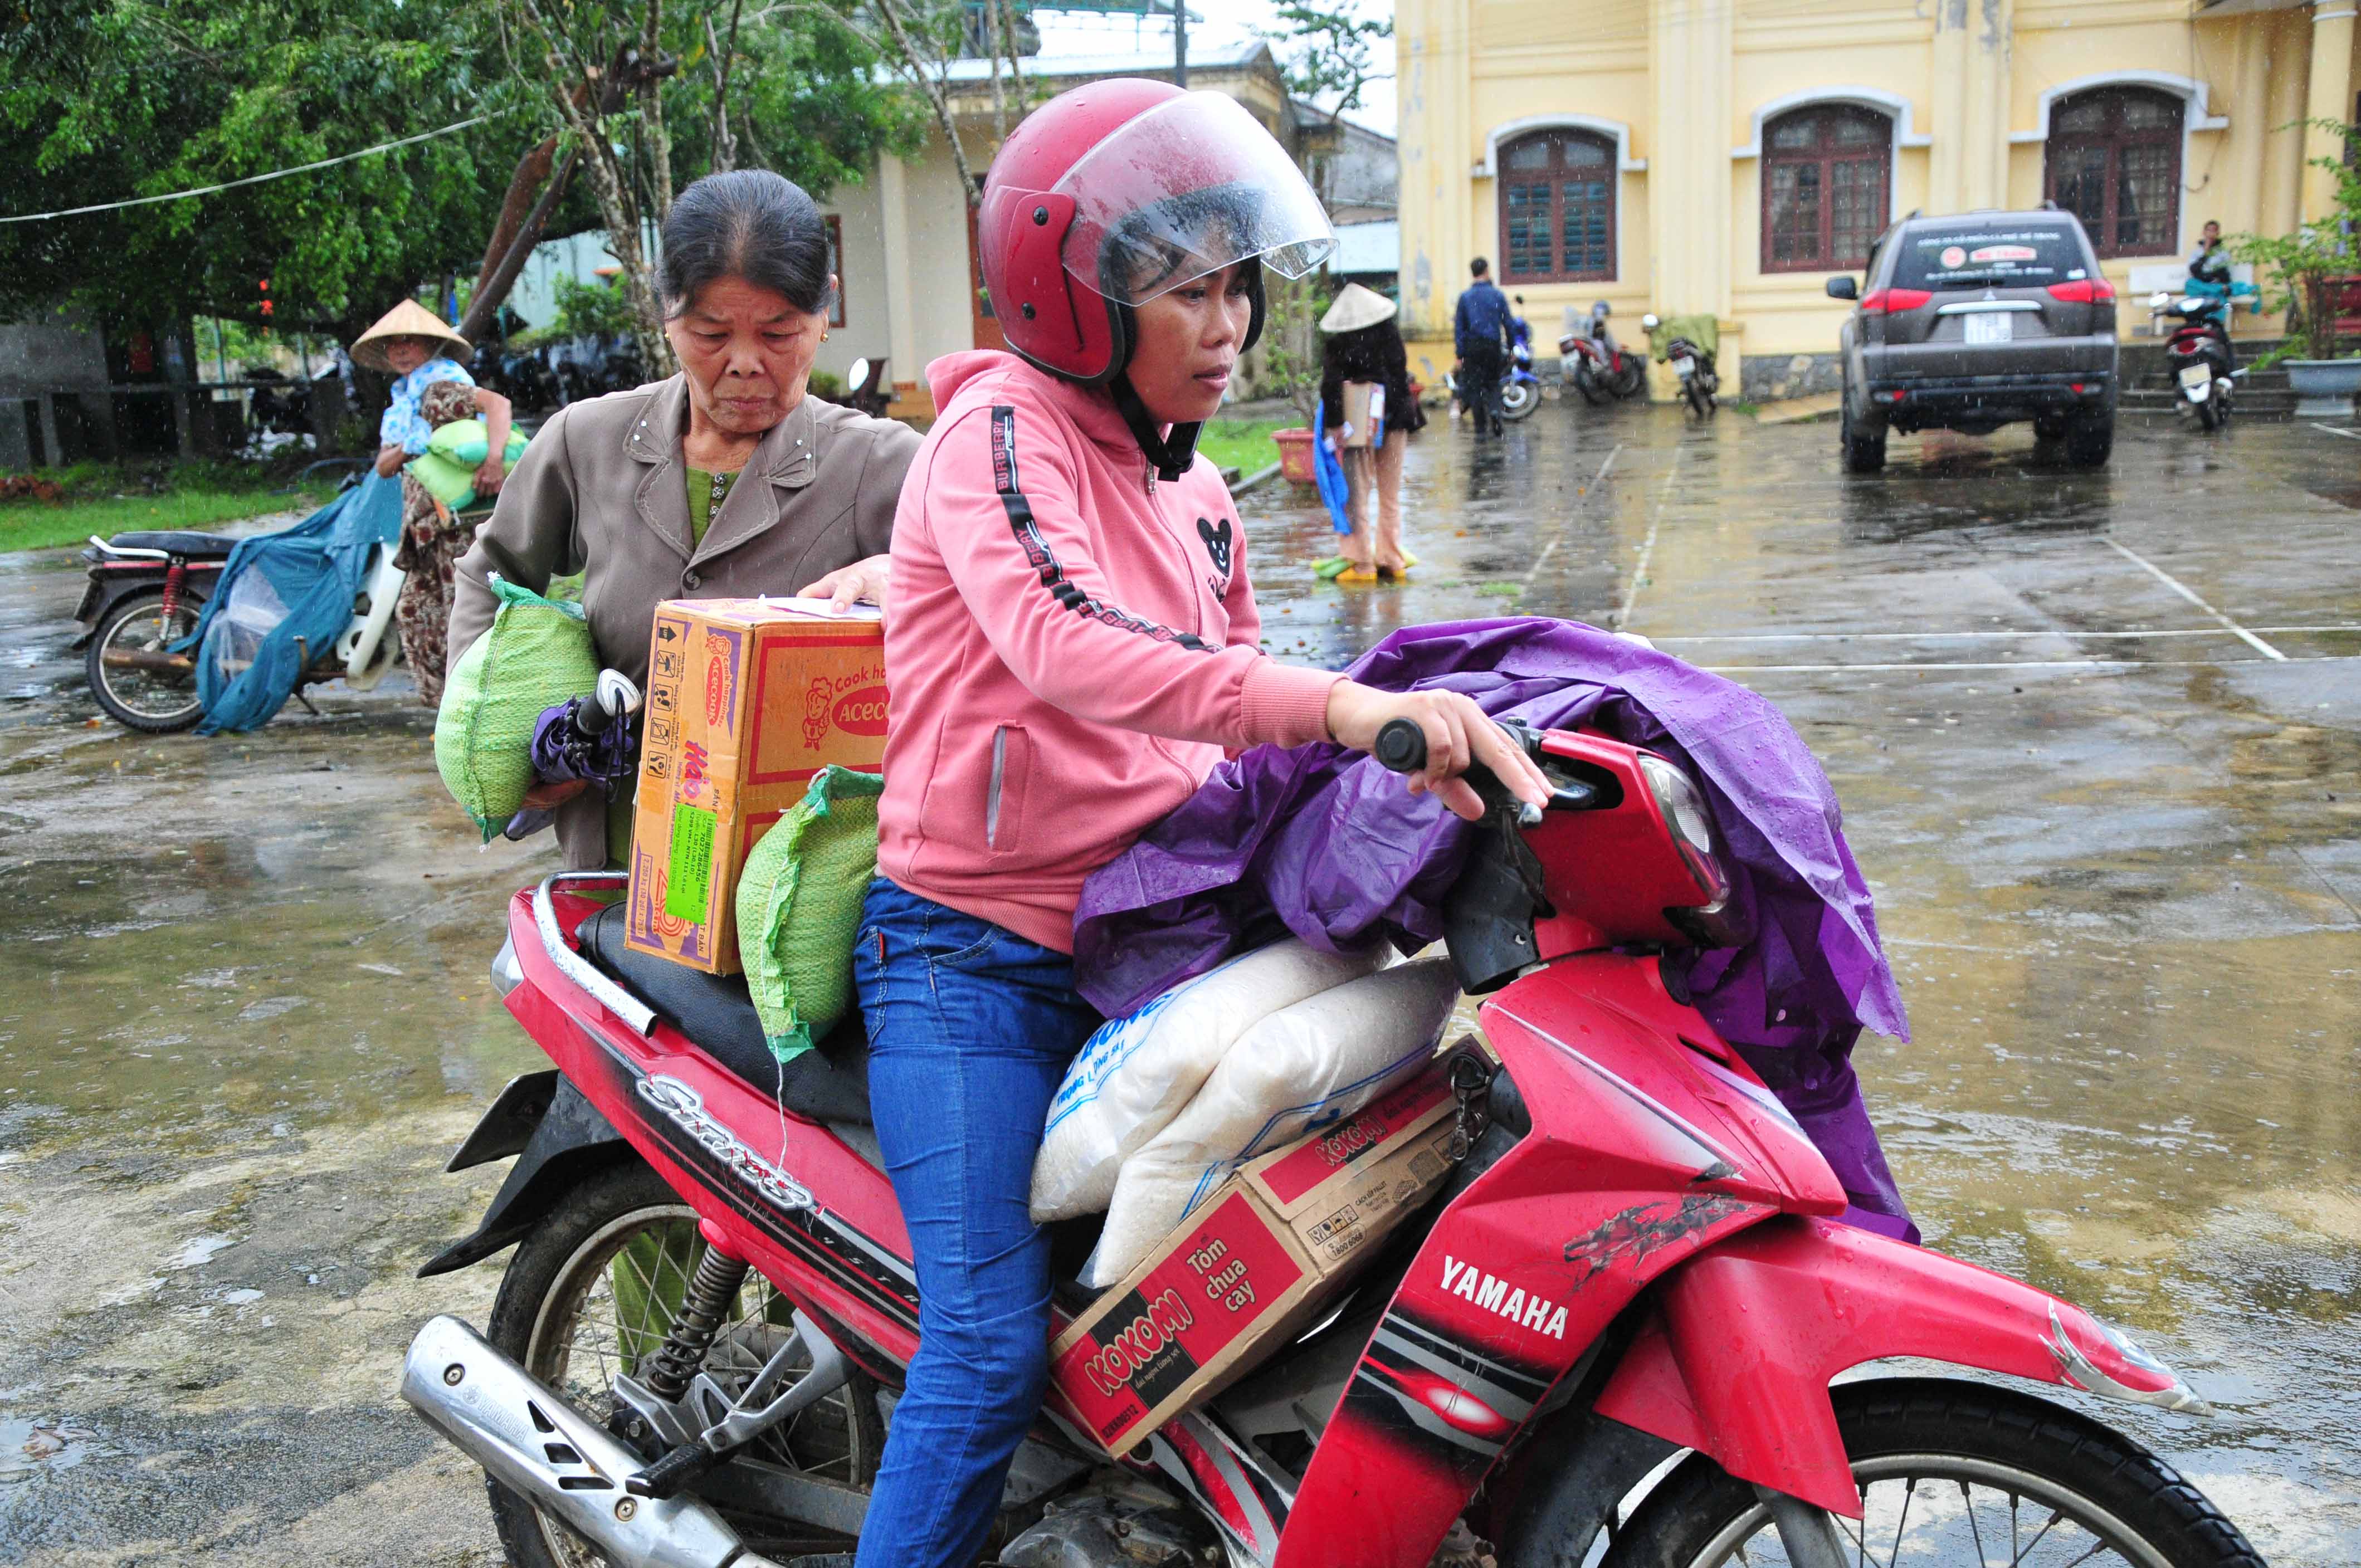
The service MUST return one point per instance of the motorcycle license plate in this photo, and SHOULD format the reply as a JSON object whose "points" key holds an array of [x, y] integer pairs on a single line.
{"points": [[2195, 378], [1685, 368], [1988, 326]]}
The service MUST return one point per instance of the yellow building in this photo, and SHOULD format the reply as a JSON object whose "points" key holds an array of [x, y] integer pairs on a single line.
{"points": [[1729, 155]]}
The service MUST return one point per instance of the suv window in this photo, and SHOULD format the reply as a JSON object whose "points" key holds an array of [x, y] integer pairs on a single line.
{"points": [[1989, 255]]}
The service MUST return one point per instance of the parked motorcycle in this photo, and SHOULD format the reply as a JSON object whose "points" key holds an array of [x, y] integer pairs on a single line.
{"points": [[691, 1356], [1692, 367], [145, 592], [1520, 390], [1599, 366], [2199, 357]]}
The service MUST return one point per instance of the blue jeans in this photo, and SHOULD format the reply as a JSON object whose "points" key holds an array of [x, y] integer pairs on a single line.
{"points": [[971, 1028]]}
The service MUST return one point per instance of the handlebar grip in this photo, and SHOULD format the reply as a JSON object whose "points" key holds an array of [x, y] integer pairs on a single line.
{"points": [[1401, 747]]}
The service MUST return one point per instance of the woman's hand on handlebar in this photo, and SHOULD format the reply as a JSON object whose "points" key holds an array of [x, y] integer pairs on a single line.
{"points": [[863, 580], [1458, 733]]}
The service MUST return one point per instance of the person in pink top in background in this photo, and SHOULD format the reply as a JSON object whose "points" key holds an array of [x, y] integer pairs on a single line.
{"points": [[1071, 643]]}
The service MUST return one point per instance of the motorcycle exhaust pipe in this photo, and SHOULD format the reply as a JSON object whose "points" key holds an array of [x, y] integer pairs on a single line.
{"points": [[537, 1446]]}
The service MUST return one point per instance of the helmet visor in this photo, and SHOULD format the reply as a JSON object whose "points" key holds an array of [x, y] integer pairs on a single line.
{"points": [[1186, 188]]}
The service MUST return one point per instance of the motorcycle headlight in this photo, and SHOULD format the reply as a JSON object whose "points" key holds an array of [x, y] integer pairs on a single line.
{"points": [[1691, 823]]}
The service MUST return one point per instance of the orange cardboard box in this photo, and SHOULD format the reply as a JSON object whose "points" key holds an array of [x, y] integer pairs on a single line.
{"points": [[1257, 1258], [747, 699]]}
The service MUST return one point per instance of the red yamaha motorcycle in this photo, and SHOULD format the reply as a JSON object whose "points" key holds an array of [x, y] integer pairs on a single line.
{"points": [[693, 1356]]}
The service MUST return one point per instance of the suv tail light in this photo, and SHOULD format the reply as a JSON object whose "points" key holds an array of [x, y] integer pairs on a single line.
{"points": [[2084, 292], [1886, 300]]}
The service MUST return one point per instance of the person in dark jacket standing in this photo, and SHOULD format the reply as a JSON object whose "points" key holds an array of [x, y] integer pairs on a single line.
{"points": [[1479, 330], [1362, 343]]}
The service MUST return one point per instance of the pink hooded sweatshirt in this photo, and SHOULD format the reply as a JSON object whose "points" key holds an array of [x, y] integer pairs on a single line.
{"points": [[1072, 647]]}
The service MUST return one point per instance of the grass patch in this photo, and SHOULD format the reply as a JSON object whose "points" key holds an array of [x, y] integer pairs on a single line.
{"points": [[1242, 443], [108, 499], [1501, 590]]}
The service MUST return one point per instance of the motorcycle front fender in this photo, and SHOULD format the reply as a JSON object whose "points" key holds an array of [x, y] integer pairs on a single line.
{"points": [[1736, 1357]]}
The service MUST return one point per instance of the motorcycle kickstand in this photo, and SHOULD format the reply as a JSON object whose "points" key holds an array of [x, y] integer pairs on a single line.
{"points": [[1810, 1533]]}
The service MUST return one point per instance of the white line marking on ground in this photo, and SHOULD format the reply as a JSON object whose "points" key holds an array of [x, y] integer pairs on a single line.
{"points": [[2104, 667], [2347, 434], [1622, 616], [2177, 585], [1965, 636], [1551, 548]]}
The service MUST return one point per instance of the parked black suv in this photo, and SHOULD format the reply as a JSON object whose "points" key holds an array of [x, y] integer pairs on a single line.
{"points": [[1973, 322]]}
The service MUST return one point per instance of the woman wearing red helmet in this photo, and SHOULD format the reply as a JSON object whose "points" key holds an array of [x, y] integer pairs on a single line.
{"points": [[1072, 646]]}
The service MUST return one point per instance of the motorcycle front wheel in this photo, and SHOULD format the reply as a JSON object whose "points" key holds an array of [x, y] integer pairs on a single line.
{"points": [[1519, 399], [1956, 1474], [131, 674], [1586, 381], [592, 1290]]}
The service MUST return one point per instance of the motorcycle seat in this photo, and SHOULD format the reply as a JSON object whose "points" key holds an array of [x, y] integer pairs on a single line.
{"points": [[829, 1084], [176, 541]]}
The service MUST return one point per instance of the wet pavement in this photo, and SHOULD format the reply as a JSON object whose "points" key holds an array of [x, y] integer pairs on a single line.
{"points": [[2098, 736]]}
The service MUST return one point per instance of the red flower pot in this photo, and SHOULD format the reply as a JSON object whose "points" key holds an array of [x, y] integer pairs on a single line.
{"points": [[1294, 455]]}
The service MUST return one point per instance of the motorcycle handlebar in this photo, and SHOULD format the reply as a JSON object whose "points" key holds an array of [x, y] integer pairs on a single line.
{"points": [[1400, 747]]}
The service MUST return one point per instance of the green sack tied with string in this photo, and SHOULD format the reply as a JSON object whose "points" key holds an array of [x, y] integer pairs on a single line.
{"points": [[537, 654], [799, 896]]}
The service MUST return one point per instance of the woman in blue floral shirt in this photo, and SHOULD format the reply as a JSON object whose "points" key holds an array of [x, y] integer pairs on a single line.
{"points": [[410, 344]]}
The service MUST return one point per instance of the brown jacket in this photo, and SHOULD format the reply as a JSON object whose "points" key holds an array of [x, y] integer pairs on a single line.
{"points": [[603, 491]]}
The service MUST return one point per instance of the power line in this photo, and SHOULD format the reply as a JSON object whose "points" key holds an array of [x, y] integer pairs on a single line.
{"points": [[249, 180]]}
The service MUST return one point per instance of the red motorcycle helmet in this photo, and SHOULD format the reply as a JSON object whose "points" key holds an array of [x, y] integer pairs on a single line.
{"points": [[1115, 191]]}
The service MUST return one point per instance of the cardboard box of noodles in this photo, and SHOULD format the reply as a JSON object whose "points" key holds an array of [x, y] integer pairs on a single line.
{"points": [[747, 699], [1257, 1258]]}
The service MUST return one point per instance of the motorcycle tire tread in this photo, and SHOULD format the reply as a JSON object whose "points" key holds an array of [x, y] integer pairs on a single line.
{"points": [[1968, 1419]]}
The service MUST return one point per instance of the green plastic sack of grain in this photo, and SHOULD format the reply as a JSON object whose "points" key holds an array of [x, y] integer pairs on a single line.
{"points": [[537, 654], [799, 899]]}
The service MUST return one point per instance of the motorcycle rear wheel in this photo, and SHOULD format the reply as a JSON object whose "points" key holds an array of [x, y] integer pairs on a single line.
{"points": [[573, 1305], [155, 701], [2211, 411], [1978, 1471]]}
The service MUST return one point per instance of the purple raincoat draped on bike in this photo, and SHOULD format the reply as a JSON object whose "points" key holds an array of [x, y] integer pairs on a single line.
{"points": [[1324, 843]]}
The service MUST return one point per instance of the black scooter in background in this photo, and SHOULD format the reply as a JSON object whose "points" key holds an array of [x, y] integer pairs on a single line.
{"points": [[2203, 367]]}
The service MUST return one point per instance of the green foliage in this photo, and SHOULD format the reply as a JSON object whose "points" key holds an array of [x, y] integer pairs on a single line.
{"points": [[106, 499], [2301, 267], [1290, 343], [124, 98], [1241, 443], [586, 309], [1330, 51], [143, 97]]}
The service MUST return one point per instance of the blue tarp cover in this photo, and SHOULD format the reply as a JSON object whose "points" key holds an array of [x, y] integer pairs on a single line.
{"points": [[278, 589]]}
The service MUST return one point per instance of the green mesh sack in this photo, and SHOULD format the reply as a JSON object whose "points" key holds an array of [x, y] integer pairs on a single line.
{"points": [[537, 654], [799, 898]]}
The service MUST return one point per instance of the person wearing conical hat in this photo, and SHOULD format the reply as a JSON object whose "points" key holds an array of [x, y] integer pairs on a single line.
{"points": [[1362, 343], [411, 343]]}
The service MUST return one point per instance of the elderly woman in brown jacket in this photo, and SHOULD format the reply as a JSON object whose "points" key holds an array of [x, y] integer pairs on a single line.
{"points": [[724, 482]]}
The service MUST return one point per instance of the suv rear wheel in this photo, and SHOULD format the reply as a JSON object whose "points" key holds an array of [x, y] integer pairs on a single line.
{"points": [[1864, 451], [2089, 441]]}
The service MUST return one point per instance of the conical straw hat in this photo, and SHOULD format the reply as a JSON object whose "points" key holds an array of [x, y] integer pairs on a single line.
{"points": [[1356, 308], [408, 319]]}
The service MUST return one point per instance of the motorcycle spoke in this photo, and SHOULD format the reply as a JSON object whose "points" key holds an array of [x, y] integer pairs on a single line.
{"points": [[1967, 1504], [1909, 1490]]}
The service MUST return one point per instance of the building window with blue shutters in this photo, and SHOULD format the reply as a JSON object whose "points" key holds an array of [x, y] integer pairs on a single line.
{"points": [[1557, 208]]}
